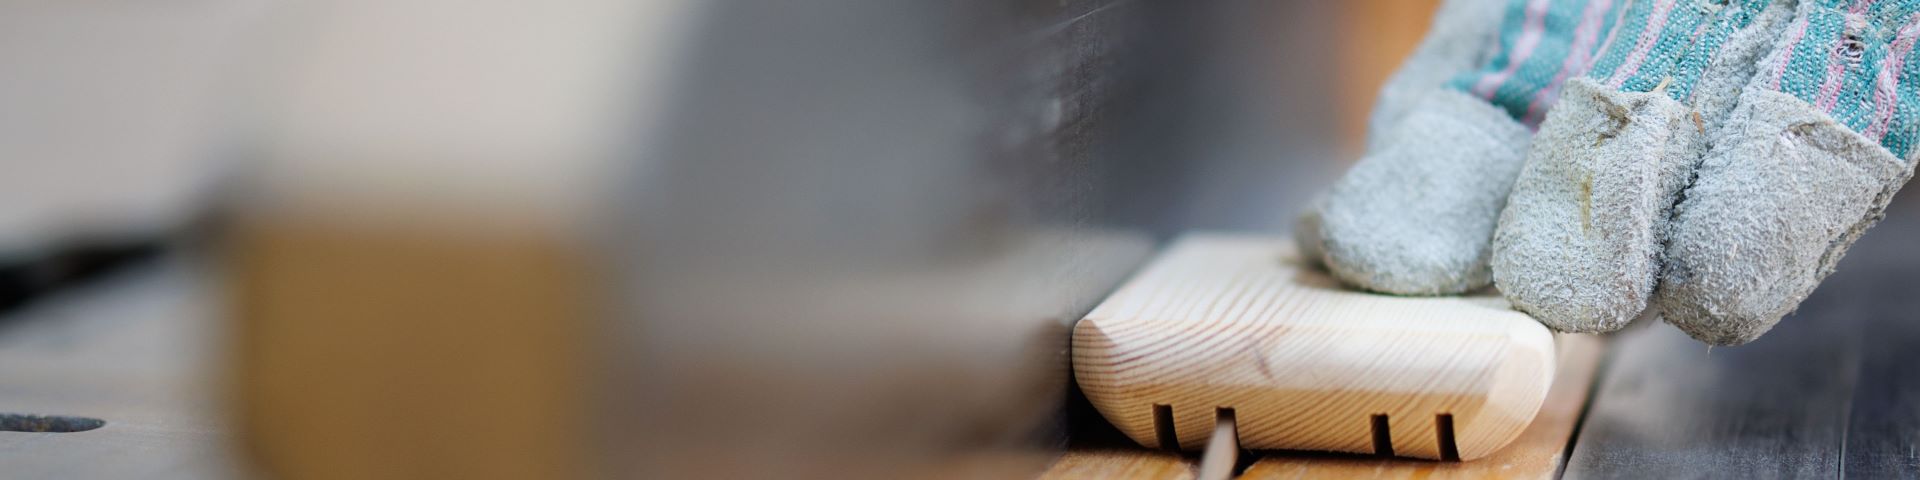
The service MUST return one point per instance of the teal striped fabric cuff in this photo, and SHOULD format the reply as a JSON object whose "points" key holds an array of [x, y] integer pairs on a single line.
{"points": [[1541, 44], [1856, 61]]}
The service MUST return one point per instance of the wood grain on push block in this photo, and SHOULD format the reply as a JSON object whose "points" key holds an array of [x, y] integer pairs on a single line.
{"points": [[1237, 322], [1539, 453]]}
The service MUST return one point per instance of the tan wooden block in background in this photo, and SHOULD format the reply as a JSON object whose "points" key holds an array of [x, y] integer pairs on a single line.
{"points": [[1236, 322]]}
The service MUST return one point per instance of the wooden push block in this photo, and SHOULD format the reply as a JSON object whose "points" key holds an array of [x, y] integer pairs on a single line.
{"points": [[1224, 322]]}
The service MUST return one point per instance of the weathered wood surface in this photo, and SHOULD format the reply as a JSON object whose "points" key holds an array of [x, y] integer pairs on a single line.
{"points": [[1235, 322], [1829, 393]]}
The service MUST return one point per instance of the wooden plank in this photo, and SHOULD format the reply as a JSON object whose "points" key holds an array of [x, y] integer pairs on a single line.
{"points": [[1670, 407], [1233, 322], [1875, 283], [1120, 462], [1828, 393], [1538, 454], [1883, 433]]}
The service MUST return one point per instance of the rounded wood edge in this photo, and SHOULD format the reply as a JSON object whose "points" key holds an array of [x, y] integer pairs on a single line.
{"points": [[1515, 396], [1096, 381]]}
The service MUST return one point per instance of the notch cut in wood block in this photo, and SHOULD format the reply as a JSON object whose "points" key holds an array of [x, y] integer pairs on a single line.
{"points": [[1238, 322]]}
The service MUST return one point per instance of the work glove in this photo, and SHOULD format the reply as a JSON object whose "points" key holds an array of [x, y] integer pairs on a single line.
{"points": [[1414, 216], [1711, 164]]}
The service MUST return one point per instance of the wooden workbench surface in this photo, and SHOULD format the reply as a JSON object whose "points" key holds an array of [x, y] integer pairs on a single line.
{"points": [[1828, 394]]}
